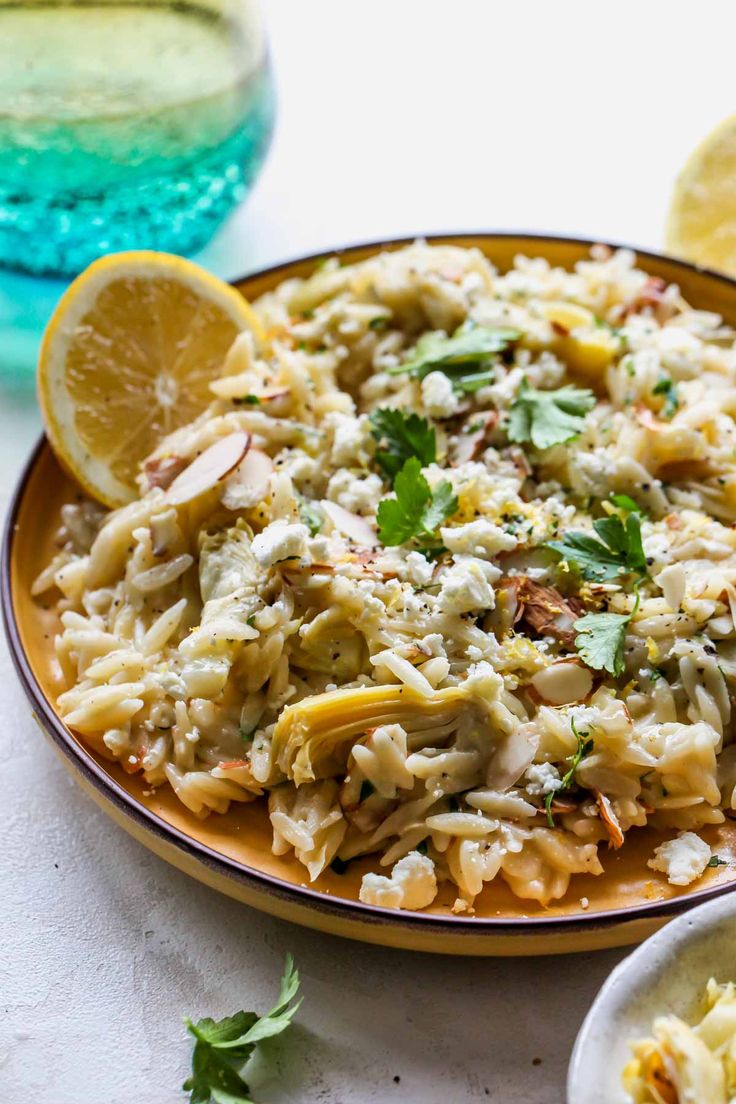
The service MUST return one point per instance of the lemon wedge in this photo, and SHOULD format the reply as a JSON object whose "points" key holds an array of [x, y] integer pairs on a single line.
{"points": [[127, 357], [701, 225]]}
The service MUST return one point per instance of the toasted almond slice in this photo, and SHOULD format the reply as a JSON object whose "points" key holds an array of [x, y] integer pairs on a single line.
{"points": [[352, 526], [562, 683], [252, 477], [610, 820], [206, 471]]}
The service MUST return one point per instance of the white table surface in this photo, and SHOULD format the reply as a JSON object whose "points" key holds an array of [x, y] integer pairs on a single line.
{"points": [[396, 116]]}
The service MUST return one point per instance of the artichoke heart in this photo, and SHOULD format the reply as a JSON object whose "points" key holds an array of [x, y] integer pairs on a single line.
{"points": [[313, 737]]}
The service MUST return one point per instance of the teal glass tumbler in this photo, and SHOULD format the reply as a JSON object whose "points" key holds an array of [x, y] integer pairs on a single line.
{"points": [[126, 125]]}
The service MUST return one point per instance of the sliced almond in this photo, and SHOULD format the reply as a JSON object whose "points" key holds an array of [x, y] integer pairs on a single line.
{"points": [[211, 466], [562, 683], [352, 526], [250, 482], [161, 471], [610, 820]]}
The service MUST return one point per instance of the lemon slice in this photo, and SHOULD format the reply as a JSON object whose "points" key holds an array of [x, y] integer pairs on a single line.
{"points": [[127, 357], [701, 225]]}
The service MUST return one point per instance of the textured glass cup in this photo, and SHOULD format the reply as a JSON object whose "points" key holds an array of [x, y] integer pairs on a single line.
{"points": [[126, 124]]}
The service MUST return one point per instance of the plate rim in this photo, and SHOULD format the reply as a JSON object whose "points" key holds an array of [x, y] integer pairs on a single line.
{"points": [[81, 761]]}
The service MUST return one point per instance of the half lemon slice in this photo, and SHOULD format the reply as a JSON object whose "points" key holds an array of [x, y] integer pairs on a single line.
{"points": [[701, 225], [128, 356]]}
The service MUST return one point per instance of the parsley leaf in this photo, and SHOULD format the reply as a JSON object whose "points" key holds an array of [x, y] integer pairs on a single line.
{"points": [[224, 1046], [667, 387], [585, 746], [470, 347], [416, 510], [310, 516], [716, 860], [618, 549], [626, 502], [600, 640], [401, 437], [548, 418]]}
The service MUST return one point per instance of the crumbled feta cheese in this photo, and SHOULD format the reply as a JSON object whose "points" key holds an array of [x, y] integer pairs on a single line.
{"points": [[656, 545], [351, 441], [279, 541], [359, 496], [466, 586], [682, 859], [419, 569], [542, 779], [438, 396], [319, 549], [477, 538], [304, 469], [412, 885]]}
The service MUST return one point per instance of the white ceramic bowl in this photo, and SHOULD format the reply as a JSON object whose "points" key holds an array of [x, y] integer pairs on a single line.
{"points": [[667, 973]]}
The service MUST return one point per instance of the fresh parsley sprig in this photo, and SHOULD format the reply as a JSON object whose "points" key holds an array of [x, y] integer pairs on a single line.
{"points": [[400, 437], [464, 357], [617, 551], [585, 746], [223, 1047], [548, 418], [600, 639], [417, 510]]}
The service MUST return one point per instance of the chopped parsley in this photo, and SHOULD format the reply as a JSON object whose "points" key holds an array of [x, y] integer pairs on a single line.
{"points": [[417, 510], [223, 1047], [585, 746], [716, 860], [617, 550], [310, 516], [667, 387], [626, 502], [600, 640], [401, 436], [465, 358], [548, 418]]}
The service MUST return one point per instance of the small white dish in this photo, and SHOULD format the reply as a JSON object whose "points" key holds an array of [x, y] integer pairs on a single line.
{"points": [[666, 974]]}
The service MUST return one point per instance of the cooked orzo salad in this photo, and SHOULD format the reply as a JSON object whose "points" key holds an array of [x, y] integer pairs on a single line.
{"points": [[445, 573]]}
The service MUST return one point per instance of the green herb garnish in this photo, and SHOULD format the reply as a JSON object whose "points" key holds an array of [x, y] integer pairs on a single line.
{"points": [[716, 860], [585, 746], [548, 418], [667, 387], [626, 502], [461, 357], [617, 551], [224, 1046], [310, 516], [417, 510], [401, 436], [600, 640]]}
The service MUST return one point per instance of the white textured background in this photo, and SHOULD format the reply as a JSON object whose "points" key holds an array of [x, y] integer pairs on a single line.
{"points": [[396, 116]]}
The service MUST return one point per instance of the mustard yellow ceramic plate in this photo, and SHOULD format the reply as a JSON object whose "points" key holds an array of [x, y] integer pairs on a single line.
{"points": [[232, 853]]}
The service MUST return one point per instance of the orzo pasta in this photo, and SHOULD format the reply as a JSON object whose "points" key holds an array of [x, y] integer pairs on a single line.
{"points": [[446, 573]]}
